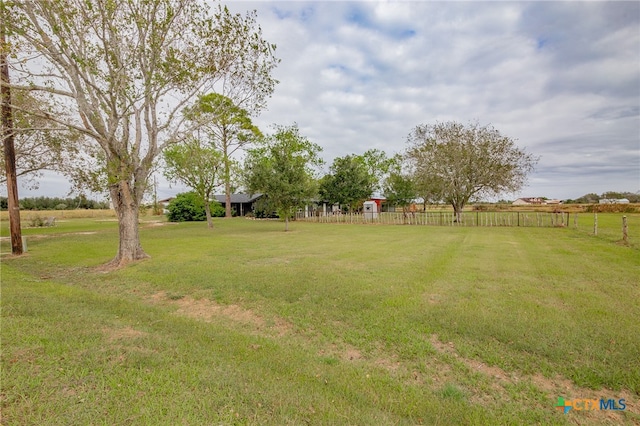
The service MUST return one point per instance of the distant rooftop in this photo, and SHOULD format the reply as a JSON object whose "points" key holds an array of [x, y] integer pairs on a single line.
{"points": [[238, 198]]}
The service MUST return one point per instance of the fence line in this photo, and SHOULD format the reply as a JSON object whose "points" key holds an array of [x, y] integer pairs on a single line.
{"points": [[443, 218]]}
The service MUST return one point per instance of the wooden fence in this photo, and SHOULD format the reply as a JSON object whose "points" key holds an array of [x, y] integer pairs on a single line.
{"points": [[444, 218]]}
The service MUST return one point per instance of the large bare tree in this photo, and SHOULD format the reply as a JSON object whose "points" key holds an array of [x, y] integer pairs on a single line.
{"points": [[453, 162], [127, 69]]}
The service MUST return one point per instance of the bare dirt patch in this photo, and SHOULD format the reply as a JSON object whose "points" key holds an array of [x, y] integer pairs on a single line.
{"points": [[433, 299], [553, 387], [155, 223], [208, 311], [125, 333], [351, 354]]}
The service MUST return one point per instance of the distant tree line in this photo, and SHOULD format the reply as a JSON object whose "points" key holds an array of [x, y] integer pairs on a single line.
{"points": [[595, 198], [56, 203]]}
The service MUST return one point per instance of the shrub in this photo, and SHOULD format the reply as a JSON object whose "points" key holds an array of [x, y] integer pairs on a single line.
{"points": [[189, 207], [36, 222], [217, 210]]}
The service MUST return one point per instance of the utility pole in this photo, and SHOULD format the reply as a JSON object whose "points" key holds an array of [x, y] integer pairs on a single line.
{"points": [[7, 137]]}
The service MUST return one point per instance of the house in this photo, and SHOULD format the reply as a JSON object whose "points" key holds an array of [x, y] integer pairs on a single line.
{"points": [[378, 199], [614, 201], [240, 203], [528, 201], [164, 203]]}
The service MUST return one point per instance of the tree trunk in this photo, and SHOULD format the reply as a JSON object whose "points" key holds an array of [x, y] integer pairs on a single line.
{"points": [[286, 223], [207, 210], [227, 181], [227, 198], [458, 211], [127, 209]]}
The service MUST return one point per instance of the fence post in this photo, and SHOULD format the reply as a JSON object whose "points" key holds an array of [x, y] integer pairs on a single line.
{"points": [[625, 235], [595, 223], [575, 220]]}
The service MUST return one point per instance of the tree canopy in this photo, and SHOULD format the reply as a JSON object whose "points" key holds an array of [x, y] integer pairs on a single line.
{"points": [[454, 162], [40, 145], [196, 165], [399, 188], [126, 70], [349, 182], [284, 170], [227, 127]]}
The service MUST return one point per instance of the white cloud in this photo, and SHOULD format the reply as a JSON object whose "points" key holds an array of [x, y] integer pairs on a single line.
{"points": [[563, 78]]}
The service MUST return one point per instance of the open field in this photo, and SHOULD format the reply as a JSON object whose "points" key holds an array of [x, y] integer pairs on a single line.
{"points": [[327, 324]]}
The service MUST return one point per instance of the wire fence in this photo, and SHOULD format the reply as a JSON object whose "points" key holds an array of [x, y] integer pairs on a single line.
{"points": [[445, 218], [613, 227]]}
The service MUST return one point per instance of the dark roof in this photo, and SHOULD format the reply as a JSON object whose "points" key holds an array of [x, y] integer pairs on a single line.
{"points": [[239, 198]]}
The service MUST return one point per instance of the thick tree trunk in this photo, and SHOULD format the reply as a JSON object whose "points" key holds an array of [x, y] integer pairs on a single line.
{"points": [[458, 211], [127, 209]]}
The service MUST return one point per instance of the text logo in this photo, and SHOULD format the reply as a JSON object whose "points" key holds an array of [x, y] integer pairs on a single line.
{"points": [[583, 404]]}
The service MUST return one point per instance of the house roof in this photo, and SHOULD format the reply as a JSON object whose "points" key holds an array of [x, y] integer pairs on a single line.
{"points": [[531, 200], [238, 198]]}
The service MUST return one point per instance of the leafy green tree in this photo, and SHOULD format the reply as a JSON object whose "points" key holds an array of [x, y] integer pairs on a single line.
{"points": [[349, 182], [126, 70], [196, 165], [228, 128], [590, 198], [284, 170], [399, 189], [457, 162], [379, 166]]}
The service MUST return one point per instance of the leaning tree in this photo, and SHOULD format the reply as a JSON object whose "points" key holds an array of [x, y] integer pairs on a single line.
{"points": [[127, 69], [455, 162]]}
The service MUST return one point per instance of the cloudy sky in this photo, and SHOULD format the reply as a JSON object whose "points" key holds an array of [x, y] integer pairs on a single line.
{"points": [[562, 78]]}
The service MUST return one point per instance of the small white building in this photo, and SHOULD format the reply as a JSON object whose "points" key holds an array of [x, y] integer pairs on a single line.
{"points": [[614, 201], [370, 210]]}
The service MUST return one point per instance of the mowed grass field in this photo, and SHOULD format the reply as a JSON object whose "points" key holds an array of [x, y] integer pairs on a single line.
{"points": [[326, 324]]}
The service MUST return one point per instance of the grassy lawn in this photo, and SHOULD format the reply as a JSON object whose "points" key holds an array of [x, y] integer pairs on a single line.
{"points": [[327, 324]]}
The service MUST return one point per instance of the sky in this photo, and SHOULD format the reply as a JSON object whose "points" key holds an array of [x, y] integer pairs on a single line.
{"points": [[560, 78]]}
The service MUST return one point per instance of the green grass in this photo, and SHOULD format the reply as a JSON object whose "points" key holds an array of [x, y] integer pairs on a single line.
{"points": [[610, 227], [327, 324]]}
